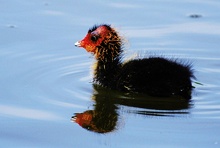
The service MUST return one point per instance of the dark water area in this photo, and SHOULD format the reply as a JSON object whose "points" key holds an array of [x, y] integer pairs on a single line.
{"points": [[46, 82]]}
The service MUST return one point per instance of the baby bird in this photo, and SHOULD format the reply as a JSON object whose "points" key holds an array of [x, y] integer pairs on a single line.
{"points": [[155, 76]]}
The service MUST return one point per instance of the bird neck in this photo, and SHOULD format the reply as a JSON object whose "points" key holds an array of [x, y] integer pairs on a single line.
{"points": [[108, 65]]}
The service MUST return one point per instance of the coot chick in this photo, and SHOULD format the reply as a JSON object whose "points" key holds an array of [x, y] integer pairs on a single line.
{"points": [[155, 76]]}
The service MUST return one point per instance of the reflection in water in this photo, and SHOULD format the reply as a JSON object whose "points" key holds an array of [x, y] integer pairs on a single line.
{"points": [[104, 117]]}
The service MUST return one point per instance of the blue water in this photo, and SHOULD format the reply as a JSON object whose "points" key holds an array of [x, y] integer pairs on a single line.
{"points": [[45, 79]]}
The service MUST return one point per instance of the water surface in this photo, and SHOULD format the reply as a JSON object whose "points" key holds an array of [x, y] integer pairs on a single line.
{"points": [[45, 80]]}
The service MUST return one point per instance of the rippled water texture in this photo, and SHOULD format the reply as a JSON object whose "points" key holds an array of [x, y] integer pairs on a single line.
{"points": [[46, 82]]}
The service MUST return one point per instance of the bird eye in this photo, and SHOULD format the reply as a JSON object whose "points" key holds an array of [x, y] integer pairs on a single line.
{"points": [[94, 38]]}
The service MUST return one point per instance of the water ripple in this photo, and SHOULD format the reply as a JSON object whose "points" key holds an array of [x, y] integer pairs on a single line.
{"points": [[23, 112]]}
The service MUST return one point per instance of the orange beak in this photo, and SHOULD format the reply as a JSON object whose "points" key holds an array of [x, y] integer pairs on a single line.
{"points": [[78, 44], [88, 47]]}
